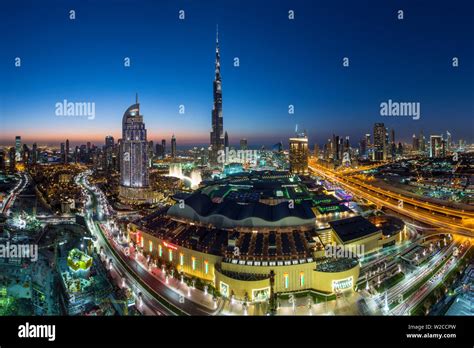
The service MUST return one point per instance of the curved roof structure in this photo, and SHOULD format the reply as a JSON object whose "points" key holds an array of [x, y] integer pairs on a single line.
{"points": [[199, 207], [132, 111]]}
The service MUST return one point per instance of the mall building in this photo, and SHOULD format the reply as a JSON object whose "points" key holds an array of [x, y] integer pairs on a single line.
{"points": [[233, 232]]}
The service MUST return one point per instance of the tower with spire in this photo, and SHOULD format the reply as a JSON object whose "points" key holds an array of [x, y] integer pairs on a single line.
{"points": [[217, 132]]}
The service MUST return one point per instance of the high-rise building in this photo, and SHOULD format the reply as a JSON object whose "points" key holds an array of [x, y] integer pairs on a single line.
{"points": [[26, 154], [316, 151], [62, 151], [415, 143], [363, 147], [109, 153], [18, 148], [2, 161], [163, 144], [34, 155], [380, 142], [226, 140], [66, 153], [173, 146], [449, 141], [134, 146], [436, 146], [421, 143], [243, 144], [109, 141], [12, 160], [393, 145], [159, 150], [217, 132], [400, 149], [299, 154], [151, 152]]}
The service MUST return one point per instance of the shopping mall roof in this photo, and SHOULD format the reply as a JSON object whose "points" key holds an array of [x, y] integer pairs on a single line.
{"points": [[229, 213], [353, 228]]}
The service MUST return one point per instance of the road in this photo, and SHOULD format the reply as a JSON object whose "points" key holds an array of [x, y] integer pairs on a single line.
{"points": [[387, 199], [156, 294]]}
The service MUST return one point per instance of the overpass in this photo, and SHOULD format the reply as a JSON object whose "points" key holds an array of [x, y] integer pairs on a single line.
{"points": [[457, 222]]}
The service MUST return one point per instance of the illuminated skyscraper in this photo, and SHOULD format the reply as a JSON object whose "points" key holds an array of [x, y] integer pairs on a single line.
{"points": [[18, 148], [299, 154], [133, 151], [173, 146], [380, 133], [436, 146], [217, 133]]}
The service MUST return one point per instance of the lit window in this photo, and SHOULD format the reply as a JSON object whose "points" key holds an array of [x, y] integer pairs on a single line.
{"points": [[301, 278], [150, 245], [181, 259], [285, 276], [170, 253], [206, 267], [193, 263], [160, 250]]}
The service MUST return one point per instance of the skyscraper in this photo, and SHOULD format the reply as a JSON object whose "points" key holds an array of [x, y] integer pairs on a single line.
{"points": [[217, 132], [449, 141], [243, 144], [109, 152], [62, 151], [299, 154], [133, 149], [163, 145], [12, 160], [109, 141], [415, 143], [379, 142], [436, 146], [173, 146], [66, 153], [35, 153], [18, 148], [421, 142]]}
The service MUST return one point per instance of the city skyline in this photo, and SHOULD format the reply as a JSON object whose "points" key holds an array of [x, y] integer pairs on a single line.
{"points": [[176, 69], [232, 159]]}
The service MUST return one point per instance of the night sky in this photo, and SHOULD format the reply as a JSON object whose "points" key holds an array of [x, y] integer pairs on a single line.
{"points": [[282, 62]]}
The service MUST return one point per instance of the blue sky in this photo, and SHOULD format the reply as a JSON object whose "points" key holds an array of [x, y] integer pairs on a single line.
{"points": [[282, 62]]}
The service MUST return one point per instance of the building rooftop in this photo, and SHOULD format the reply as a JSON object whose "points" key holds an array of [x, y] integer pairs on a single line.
{"points": [[353, 228]]}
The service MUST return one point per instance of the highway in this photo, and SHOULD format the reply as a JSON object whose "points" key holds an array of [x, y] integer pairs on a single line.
{"points": [[156, 294], [9, 200], [410, 303], [385, 198]]}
